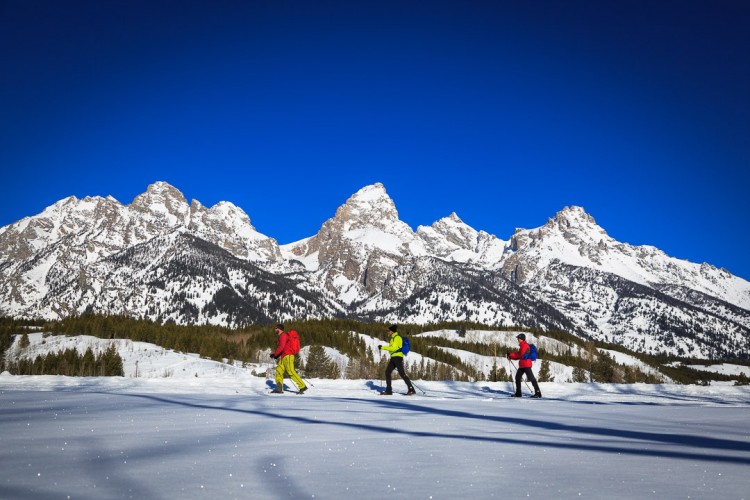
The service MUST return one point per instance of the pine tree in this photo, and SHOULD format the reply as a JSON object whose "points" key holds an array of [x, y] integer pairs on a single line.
{"points": [[111, 362], [498, 373], [544, 372], [580, 375], [319, 365], [88, 364]]}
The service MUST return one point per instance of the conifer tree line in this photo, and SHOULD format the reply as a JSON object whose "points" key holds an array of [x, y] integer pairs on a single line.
{"points": [[253, 343], [70, 362]]}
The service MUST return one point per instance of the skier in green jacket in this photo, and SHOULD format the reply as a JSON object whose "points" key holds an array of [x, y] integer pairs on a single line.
{"points": [[396, 362]]}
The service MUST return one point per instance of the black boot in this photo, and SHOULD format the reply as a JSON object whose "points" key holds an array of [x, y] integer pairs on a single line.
{"points": [[387, 392], [537, 394]]}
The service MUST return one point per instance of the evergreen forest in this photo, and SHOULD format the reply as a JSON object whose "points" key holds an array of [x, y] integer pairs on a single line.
{"points": [[253, 344]]}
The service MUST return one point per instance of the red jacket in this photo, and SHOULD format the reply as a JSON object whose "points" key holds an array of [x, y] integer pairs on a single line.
{"points": [[522, 348], [285, 347]]}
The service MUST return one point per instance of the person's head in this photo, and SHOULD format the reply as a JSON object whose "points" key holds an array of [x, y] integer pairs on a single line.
{"points": [[392, 329], [521, 337], [279, 329]]}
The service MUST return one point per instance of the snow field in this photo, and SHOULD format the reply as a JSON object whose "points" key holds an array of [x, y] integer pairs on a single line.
{"points": [[217, 437]]}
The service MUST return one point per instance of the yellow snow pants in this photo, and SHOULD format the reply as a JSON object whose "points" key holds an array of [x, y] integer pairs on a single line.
{"points": [[287, 365]]}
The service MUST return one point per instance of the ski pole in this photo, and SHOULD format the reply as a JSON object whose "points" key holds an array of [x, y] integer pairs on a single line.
{"points": [[380, 363], [415, 385]]}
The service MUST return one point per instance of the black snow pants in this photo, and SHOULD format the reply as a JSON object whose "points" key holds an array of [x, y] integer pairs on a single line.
{"points": [[396, 363], [529, 376]]}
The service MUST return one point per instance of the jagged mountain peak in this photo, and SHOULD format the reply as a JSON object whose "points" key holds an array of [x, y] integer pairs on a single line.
{"points": [[369, 217], [573, 237], [229, 209], [573, 217], [60, 205], [572, 225], [452, 229], [164, 202], [222, 208], [372, 191], [368, 205], [452, 239], [160, 190], [103, 226]]}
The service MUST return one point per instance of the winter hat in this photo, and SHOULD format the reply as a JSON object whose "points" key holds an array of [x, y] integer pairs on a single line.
{"points": [[393, 328], [280, 326], [521, 336]]}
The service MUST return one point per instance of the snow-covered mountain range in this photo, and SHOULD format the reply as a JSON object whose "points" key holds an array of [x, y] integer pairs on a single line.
{"points": [[164, 259]]}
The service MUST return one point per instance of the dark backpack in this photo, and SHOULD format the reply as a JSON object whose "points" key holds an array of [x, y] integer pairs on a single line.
{"points": [[531, 353], [293, 341], [405, 346]]}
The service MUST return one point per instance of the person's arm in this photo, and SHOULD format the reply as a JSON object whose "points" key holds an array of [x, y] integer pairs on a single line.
{"points": [[282, 345], [518, 354], [394, 345]]}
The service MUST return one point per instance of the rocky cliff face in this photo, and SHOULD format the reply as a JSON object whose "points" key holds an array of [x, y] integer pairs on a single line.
{"points": [[358, 249], [67, 239], [163, 258]]}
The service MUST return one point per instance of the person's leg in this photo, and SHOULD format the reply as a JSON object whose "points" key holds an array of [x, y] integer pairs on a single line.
{"points": [[280, 376], [399, 362], [388, 370], [519, 376], [530, 376], [289, 367]]}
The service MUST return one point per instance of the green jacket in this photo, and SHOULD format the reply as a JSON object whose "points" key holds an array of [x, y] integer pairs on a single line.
{"points": [[395, 344]]}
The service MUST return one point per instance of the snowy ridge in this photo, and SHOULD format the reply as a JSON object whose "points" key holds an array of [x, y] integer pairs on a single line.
{"points": [[100, 227], [364, 262], [572, 237], [451, 239]]}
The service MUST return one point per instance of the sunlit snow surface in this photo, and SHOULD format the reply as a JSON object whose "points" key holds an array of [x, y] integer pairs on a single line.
{"points": [[225, 437]]}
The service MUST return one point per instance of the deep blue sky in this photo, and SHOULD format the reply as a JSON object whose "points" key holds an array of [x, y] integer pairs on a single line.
{"points": [[502, 111]]}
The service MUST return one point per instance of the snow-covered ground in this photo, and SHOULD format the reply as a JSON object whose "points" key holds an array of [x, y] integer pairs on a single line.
{"points": [[226, 437], [628, 360], [724, 368], [193, 428]]}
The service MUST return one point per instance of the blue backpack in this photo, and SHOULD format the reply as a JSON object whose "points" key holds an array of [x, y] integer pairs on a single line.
{"points": [[531, 353], [405, 346]]}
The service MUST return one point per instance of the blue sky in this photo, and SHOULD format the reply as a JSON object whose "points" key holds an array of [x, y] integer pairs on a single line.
{"points": [[501, 111]]}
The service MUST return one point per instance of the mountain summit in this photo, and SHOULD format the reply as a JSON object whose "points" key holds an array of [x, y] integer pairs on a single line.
{"points": [[355, 250]]}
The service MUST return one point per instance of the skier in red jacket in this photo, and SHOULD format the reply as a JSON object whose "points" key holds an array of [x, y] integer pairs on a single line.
{"points": [[524, 366], [286, 352]]}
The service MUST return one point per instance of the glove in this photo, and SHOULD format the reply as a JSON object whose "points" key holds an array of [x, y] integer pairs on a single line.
{"points": [[507, 355], [273, 356]]}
